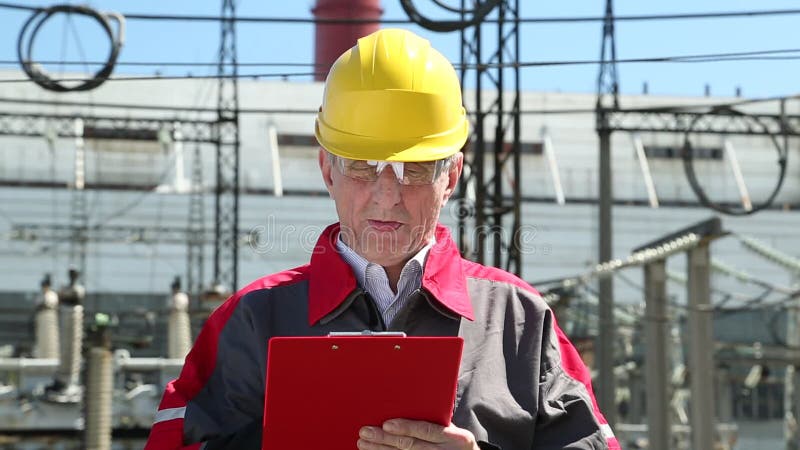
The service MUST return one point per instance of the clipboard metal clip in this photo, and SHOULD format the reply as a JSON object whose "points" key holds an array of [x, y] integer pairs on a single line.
{"points": [[367, 333]]}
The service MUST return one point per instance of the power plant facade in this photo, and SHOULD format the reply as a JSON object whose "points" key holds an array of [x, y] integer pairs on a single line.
{"points": [[110, 225]]}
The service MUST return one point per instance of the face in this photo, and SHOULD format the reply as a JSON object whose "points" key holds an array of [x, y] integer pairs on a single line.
{"points": [[385, 222]]}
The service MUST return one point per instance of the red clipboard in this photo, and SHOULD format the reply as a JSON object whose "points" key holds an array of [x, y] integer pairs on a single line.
{"points": [[321, 390]]}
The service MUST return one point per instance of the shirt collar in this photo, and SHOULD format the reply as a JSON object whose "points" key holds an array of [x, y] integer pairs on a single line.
{"points": [[359, 264], [332, 279]]}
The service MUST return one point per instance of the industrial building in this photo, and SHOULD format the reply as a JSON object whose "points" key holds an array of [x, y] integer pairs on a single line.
{"points": [[122, 187]]}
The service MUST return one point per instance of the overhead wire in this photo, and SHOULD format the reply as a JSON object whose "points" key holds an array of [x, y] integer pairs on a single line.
{"points": [[478, 15], [747, 302], [197, 109], [122, 211], [178, 63], [31, 28], [6, 216], [688, 58], [773, 54], [746, 278], [726, 296], [573, 19], [175, 77], [154, 248], [703, 58], [687, 155], [788, 262], [191, 109]]}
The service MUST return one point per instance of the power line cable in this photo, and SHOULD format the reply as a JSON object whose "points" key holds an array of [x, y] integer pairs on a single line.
{"points": [[197, 109], [687, 155], [744, 277], [191, 109], [175, 77], [122, 211], [757, 303], [788, 262], [748, 303], [286, 75], [479, 13], [774, 54], [726, 296], [31, 28], [241, 111], [574, 19], [721, 57], [178, 63]]}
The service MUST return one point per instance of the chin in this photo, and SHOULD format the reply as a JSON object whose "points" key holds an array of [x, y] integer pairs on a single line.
{"points": [[385, 260]]}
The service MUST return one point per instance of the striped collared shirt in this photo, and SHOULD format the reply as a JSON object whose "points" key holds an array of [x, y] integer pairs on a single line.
{"points": [[372, 278]]}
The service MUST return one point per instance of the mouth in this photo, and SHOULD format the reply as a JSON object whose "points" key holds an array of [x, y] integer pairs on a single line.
{"points": [[384, 225]]}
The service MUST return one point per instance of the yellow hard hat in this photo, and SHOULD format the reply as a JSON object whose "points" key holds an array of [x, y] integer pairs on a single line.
{"points": [[392, 97]]}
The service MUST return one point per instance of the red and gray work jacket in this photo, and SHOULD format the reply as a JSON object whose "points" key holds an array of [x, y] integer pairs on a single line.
{"points": [[521, 385]]}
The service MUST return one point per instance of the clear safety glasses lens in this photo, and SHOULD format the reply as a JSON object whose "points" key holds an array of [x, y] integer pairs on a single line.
{"points": [[407, 173]]}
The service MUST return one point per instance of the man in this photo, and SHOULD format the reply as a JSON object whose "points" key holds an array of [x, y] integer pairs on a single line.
{"points": [[391, 126]]}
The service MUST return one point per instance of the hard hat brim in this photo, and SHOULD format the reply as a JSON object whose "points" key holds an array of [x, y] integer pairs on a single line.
{"points": [[426, 148]]}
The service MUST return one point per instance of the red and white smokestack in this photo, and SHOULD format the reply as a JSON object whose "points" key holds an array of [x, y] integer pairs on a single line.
{"points": [[333, 39]]}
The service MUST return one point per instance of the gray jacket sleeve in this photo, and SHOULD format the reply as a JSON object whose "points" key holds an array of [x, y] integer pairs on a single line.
{"points": [[567, 416]]}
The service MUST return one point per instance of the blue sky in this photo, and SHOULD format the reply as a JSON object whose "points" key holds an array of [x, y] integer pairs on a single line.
{"points": [[266, 42]]}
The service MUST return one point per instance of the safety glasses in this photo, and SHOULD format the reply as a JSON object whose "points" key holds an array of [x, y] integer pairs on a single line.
{"points": [[407, 173]]}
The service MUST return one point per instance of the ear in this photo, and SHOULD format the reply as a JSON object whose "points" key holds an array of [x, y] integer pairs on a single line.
{"points": [[325, 168], [453, 175]]}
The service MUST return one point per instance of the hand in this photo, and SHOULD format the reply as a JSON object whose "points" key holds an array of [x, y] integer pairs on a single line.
{"points": [[406, 434]]}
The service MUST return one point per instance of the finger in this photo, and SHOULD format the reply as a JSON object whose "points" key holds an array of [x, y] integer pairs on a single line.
{"points": [[368, 445], [427, 434], [425, 431], [376, 435]]}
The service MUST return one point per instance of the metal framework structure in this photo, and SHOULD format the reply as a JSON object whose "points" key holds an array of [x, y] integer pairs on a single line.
{"points": [[493, 163], [223, 132], [719, 120], [226, 250], [607, 99], [196, 228], [79, 232], [108, 233], [714, 120], [699, 360], [610, 117], [36, 125], [78, 213]]}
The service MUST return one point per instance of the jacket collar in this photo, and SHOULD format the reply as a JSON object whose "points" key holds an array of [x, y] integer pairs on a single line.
{"points": [[331, 279]]}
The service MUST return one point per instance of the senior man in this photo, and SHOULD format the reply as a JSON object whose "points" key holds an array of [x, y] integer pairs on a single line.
{"points": [[391, 126]]}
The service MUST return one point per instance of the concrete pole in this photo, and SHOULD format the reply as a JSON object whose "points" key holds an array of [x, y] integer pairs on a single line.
{"points": [[725, 395], [701, 348], [99, 389], [605, 385], [657, 367]]}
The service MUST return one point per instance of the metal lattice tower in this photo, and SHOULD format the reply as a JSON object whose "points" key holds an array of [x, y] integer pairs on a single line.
{"points": [[492, 166], [607, 92], [79, 215], [195, 252], [226, 251], [607, 81]]}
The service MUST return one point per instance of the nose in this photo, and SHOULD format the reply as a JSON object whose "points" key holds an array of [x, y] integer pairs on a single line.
{"points": [[386, 189]]}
